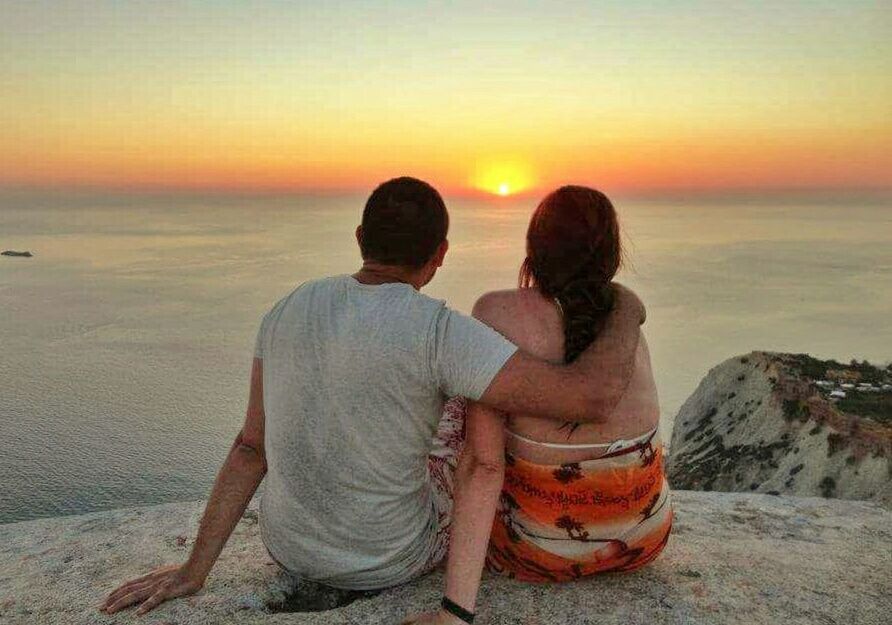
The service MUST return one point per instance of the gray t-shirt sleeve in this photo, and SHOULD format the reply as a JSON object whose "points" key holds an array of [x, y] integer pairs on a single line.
{"points": [[466, 354]]}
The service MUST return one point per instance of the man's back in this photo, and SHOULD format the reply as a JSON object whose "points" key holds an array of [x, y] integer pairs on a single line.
{"points": [[354, 381]]}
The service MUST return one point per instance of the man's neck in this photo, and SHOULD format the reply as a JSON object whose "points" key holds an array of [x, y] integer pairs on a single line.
{"points": [[375, 273]]}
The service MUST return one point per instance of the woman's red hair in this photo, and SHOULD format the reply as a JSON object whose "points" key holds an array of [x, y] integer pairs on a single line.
{"points": [[573, 254]]}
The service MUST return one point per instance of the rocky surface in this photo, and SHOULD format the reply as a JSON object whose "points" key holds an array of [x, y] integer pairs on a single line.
{"points": [[733, 558], [787, 424]]}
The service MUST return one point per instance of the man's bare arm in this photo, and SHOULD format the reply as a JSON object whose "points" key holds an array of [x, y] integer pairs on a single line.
{"points": [[236, 483], [586, 390]]}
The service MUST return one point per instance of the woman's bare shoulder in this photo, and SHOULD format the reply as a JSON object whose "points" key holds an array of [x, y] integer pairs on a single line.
{"points": [[629, 298], [524, 316], [496, 305]]}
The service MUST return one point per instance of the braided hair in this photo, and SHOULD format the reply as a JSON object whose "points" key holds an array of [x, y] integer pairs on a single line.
{"points": [[573, 254]]}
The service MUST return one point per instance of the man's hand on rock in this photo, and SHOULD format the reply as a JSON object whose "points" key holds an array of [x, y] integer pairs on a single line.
{"points": [[167, 582]]}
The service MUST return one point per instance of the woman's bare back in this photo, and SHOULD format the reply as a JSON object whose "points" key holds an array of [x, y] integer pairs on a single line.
{"points": [[534, 323]]}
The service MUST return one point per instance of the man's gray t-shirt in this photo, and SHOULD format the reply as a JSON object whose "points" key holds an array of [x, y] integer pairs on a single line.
{"points": [[354, 381]]}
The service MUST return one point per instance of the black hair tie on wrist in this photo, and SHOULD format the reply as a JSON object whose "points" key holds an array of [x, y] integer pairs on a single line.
{"points": [[456, 610]]}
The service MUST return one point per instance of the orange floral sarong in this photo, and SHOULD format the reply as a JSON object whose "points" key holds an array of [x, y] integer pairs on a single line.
{"points": [[560, 523]]}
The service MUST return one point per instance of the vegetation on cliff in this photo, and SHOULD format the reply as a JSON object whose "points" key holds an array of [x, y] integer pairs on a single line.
{"points": [[857, 388]]}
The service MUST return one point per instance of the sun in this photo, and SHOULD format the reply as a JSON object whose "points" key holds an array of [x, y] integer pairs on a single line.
{"points": [[502, 177]]}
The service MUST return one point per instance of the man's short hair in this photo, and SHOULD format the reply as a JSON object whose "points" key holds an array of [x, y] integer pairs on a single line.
{"points": [[403, 223]]}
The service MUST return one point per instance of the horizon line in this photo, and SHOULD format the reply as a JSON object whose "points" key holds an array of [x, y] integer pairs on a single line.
{"points": [[447, 190]]}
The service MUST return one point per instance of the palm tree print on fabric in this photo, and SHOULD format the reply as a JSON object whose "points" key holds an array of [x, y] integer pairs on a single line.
{"points": [[505, 514], [566, 521], [652, 508], [575, 530], [568, 473], [648, 454]]}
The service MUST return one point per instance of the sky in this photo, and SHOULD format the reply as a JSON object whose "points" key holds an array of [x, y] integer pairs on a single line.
{"points": [[495, 97]]}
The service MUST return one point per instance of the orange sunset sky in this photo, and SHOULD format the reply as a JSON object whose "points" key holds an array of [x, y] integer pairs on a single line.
{"points": [[495, 97]]}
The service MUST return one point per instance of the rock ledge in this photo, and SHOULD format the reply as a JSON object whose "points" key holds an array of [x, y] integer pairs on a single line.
{"points": [[733, 558]]}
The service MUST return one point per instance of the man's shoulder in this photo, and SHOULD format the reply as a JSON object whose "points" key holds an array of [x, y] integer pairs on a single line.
{"points": [[314, 285], [302, 292], [325, 282], [426, 301]]}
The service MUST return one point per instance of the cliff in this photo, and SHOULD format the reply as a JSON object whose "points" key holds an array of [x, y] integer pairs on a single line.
{"points": [[732, 558], [787, 424]]}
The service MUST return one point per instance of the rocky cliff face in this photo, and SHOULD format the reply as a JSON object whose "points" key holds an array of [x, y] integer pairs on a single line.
{"points": [[787, 424], [732, 558]]}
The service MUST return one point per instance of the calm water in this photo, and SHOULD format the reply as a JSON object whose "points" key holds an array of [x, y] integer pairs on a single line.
{"points": [[125, 343]]}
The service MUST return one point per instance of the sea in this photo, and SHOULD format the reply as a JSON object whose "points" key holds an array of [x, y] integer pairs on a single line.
{"points": [[126, 340]]}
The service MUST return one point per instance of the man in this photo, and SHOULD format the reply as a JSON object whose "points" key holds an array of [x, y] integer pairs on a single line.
{"points": [[347, 389]]}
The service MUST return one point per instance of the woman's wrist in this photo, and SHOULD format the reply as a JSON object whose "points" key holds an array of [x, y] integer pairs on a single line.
{"points": [[459, 613]]}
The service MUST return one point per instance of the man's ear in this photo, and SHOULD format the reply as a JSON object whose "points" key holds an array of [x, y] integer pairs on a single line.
{"points": [[359, 235], [441, 252]]}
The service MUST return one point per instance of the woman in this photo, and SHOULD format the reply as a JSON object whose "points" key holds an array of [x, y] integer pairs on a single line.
{"points": [[562, 501]]}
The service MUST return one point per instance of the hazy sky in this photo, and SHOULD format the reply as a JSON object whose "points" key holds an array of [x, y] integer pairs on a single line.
{"points": [[627, 95]]}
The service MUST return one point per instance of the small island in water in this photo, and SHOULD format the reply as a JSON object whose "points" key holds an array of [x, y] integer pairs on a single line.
{"points": [[25, 254]]}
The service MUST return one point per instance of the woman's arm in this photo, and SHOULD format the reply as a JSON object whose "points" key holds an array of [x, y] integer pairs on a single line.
{"points": [[478, 483], [236, 483]]}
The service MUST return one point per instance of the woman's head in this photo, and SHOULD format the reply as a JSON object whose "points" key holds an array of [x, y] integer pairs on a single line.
{"points": [[573, 252]]}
